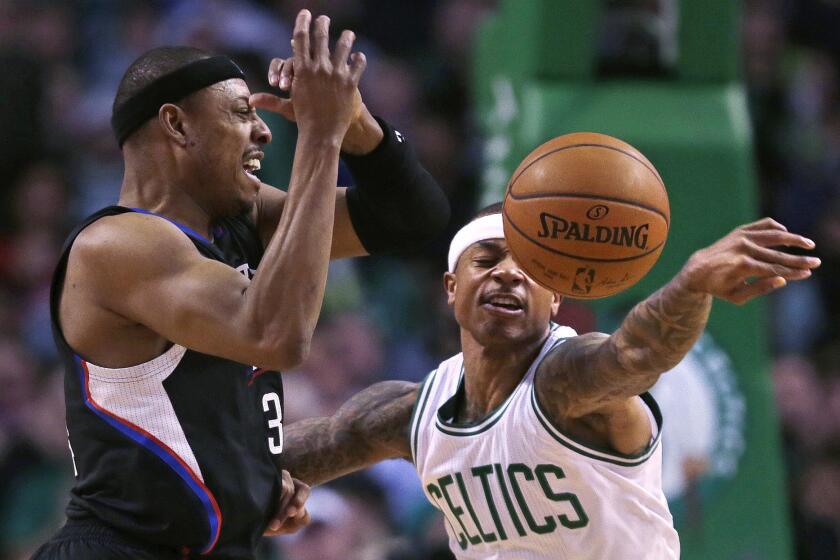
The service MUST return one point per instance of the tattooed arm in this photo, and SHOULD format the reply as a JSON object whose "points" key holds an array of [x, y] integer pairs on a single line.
{"points": [[596, 373], [370, 427]]}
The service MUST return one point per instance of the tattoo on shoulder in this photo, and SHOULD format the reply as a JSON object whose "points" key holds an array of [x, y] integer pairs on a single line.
{"points": [[592, 371]]}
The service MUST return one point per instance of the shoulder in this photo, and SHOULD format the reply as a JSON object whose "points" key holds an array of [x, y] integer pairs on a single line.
{"points": [[129, 243], [562, 332], [132, 231], [566, 372]]}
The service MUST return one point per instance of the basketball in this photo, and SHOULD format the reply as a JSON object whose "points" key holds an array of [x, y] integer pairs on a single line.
{"points": [[586, 215]]}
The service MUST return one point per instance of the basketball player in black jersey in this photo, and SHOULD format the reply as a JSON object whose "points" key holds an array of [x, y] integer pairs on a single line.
{"points": [[170, 339]]}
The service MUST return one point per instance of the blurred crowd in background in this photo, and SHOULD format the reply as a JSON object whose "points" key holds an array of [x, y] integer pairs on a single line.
{"points": [[383, 317]]}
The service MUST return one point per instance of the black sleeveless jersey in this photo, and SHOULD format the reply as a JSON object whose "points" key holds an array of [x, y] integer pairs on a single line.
{"points": [[176, 451]]}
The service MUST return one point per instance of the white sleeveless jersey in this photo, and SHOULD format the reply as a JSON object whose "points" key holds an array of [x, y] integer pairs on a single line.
{"points": [[514, 487]]}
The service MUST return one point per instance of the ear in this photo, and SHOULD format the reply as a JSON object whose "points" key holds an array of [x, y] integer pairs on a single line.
{"points": [[556, 300], [172, 121], [449, 285]]}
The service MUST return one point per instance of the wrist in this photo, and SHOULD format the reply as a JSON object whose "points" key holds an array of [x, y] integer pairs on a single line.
{"points": [[690, 278], [319, 140], [363, 136]]}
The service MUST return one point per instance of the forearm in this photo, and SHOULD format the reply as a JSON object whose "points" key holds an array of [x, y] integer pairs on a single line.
{"points": [[372, 426], [316, 451], [284, 299], [395, 205], [363, 136], [659, 331], [594, 372]]}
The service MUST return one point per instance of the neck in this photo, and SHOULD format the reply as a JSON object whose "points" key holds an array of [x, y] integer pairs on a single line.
{"points": [[151, 182], [492, 373]]}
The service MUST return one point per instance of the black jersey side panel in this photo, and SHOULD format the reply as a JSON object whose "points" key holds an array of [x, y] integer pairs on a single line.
{"points": [[135, 482]]}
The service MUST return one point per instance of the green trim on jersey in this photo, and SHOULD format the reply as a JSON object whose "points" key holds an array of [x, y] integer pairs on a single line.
{"points": [[614, 457], [417, 413], [462, 430], [452, 429]]}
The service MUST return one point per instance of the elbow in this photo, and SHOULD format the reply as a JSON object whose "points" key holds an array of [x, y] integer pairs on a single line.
{"points": [[429, 215], [420, 223], [285, 354]]}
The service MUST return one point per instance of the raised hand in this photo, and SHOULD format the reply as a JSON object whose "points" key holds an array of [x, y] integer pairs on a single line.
{"points": [[745, 264], [324, 87]]}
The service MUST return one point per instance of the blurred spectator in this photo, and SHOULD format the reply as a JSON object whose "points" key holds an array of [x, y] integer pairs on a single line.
{"points": [[349, 522]]}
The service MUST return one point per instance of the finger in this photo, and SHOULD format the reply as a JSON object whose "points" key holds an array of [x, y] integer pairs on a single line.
{"points": [[273, 103], [287, 72], [298, 501], [759, 269], [291, 525], [785, 259], [358, 63], [300, 36], [287, 490], [321, 33], [343, 47], [764, 223], [274, 68], [750, 290], [776, 238], [296, 523], [302, 520], [276, 524]]}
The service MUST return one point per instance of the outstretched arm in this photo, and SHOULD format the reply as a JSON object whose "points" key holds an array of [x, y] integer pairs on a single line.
{"points": [[370, 427], [593, 372]]}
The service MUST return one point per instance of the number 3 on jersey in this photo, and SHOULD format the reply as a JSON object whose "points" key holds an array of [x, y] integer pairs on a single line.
{"points": [[269, 401]]}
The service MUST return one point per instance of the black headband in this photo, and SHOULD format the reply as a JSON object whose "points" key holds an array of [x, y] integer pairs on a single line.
{"points": [[171, 88]]}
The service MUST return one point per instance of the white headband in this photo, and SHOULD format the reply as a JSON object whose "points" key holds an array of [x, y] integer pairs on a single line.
{"points": [[485, 227]]}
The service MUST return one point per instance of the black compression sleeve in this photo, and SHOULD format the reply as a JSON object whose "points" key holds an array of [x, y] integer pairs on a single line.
{"points": [[396, 204]]}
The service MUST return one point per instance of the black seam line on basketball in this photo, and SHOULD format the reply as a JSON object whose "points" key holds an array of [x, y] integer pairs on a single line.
{"points": [[614, 458], [588, 145], [580, 258], [591, 197]]}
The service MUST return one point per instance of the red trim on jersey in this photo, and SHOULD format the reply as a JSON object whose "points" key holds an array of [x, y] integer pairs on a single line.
{"points": [[167, 449]]}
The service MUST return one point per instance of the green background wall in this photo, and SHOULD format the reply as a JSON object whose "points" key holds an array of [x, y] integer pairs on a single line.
{"points": [[535, 78]]}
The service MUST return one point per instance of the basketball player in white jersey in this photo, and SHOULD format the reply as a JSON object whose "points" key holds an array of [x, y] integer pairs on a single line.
{"points": [[534, 442]]}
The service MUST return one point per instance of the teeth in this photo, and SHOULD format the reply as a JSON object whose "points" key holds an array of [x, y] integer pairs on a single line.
{"points": [[252, 165], [502, 300]]}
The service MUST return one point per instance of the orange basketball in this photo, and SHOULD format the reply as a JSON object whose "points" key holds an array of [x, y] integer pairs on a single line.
{"points": [[586, 215]]}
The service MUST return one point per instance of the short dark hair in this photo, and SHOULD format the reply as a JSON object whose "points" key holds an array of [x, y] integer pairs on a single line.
{"points": [[153, 64], [495, 208]]}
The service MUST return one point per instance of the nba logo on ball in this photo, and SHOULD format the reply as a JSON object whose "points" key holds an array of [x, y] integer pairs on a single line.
{"points": [[584, 277], [586, 215]]}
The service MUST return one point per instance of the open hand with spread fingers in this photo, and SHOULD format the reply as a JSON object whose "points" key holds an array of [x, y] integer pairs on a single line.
{"points": [[747, 263]]}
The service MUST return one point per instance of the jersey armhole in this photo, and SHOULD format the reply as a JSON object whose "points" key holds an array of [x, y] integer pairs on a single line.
{"points": [[608, 456], [417, 414]]}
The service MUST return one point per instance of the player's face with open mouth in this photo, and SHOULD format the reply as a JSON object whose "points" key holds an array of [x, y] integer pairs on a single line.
{"points": [[493, 298], [231, 153]]}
